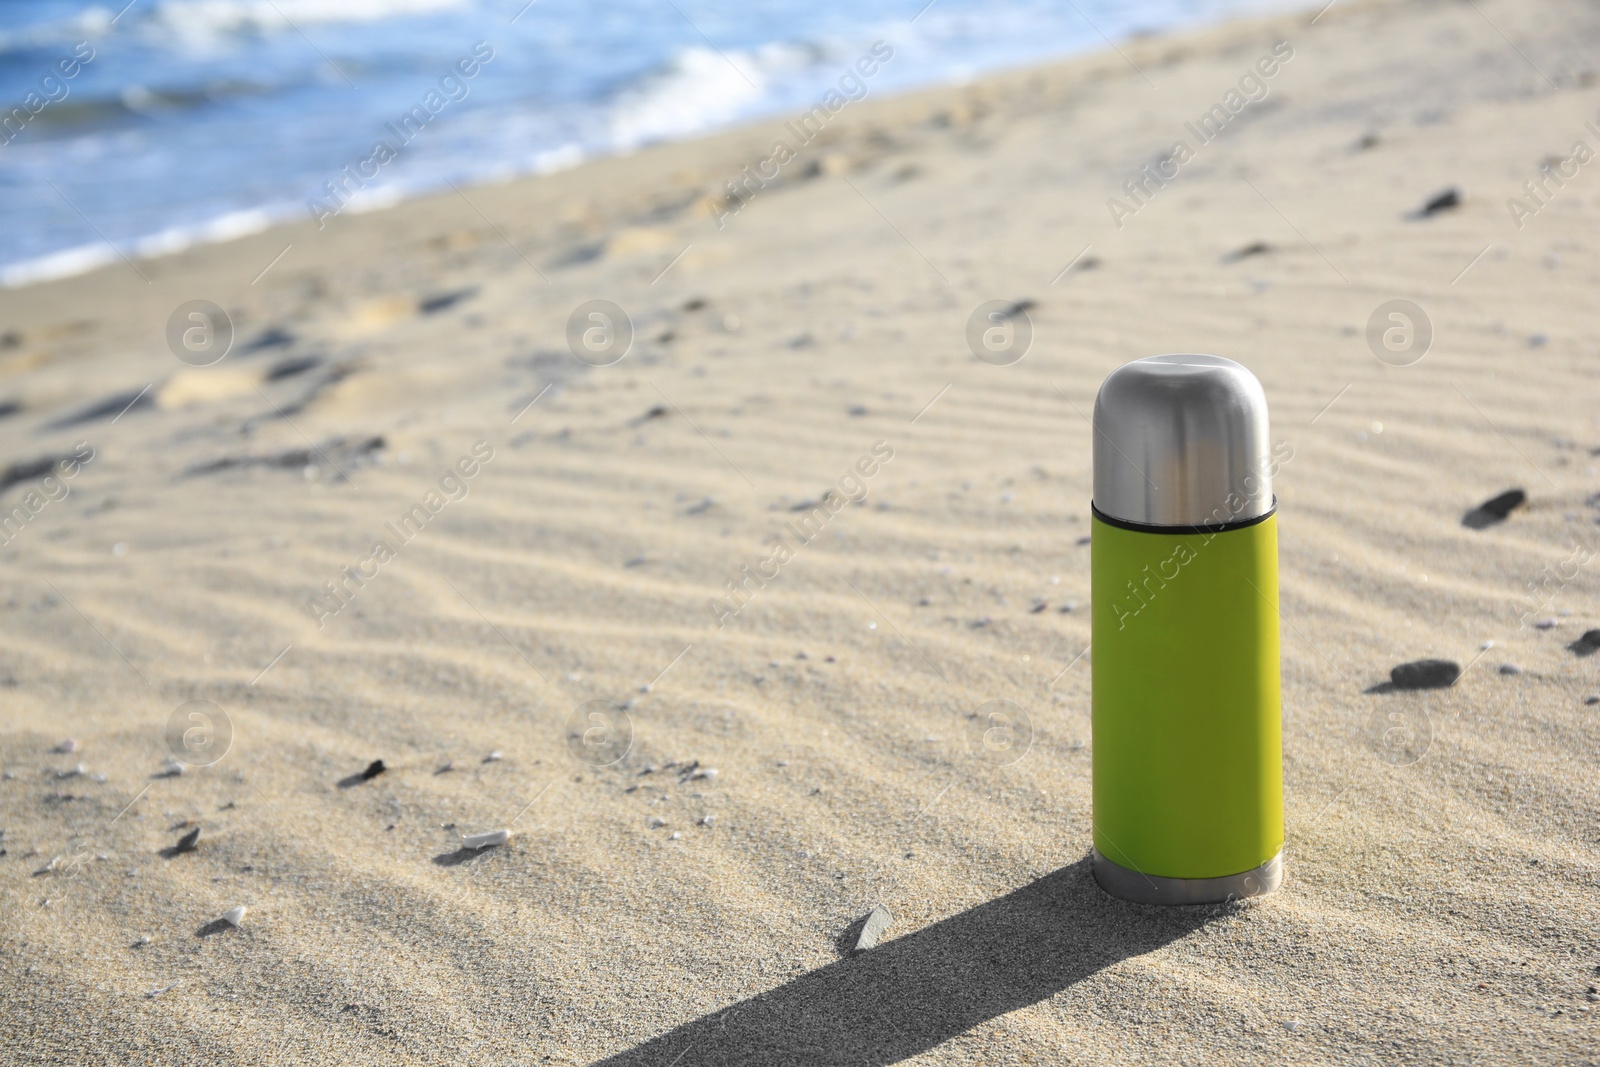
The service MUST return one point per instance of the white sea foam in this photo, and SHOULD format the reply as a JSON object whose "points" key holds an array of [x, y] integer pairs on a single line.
{"points": [[698, 89], [81, 259], [280, 16], [62, 264]]}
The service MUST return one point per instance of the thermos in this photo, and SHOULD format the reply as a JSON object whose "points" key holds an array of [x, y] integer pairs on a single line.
{"points": [[1187, 718]]}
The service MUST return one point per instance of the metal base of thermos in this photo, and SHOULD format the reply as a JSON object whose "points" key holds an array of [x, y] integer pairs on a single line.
{"points": [[1119, 881]]}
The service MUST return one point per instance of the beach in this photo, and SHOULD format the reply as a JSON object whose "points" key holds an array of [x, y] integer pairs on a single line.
{"points": [[674, 513]]}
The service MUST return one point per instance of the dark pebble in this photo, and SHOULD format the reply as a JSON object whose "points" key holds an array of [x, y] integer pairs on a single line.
{"points": [[188, 842], [374, 769], [1448, 200], [1502, 505], [1494, 509], [1425, 674], [1254, 248]]}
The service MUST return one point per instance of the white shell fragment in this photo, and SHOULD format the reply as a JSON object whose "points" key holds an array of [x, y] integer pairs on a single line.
{"points": [[235, 916], [484, 840], [878, 921]]}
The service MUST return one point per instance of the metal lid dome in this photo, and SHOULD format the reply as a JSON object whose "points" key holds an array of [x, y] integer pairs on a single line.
{"points": [[1181, 440]]}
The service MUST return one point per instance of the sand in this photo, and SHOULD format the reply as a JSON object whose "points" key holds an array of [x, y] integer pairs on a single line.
{"points": [[1442, 900]]}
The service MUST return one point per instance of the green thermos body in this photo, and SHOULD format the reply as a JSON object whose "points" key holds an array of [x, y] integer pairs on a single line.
{"points": [[1187, 711]]}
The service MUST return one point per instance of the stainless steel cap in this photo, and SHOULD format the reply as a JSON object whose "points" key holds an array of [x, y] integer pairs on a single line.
{"points": [[1181, 440]]}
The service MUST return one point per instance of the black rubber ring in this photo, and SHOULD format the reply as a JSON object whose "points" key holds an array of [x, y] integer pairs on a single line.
{"points": [[1222, 527]]}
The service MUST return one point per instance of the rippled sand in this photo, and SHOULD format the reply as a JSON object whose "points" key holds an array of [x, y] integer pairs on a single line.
{"points": [[1441, 902]]}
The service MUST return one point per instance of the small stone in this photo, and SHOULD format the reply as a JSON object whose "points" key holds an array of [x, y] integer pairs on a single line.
{"points": [[656, 822], [140, 942], [486, 839], [1546, 624], [151, 993], [1448, 200], [1590, 639], [373, 769], [1425, 674], [1494, 510], [709, 774], [1510, 668], [235, 916], [493, 757], [69, 745], [1486, 646], [171, 768], [707, 820], [675, 835], [73, 772], [878, 920], [188, 842], [1591, 701]]}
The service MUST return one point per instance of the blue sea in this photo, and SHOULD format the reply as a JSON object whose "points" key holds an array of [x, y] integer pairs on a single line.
{"points": [[145, 128]]}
